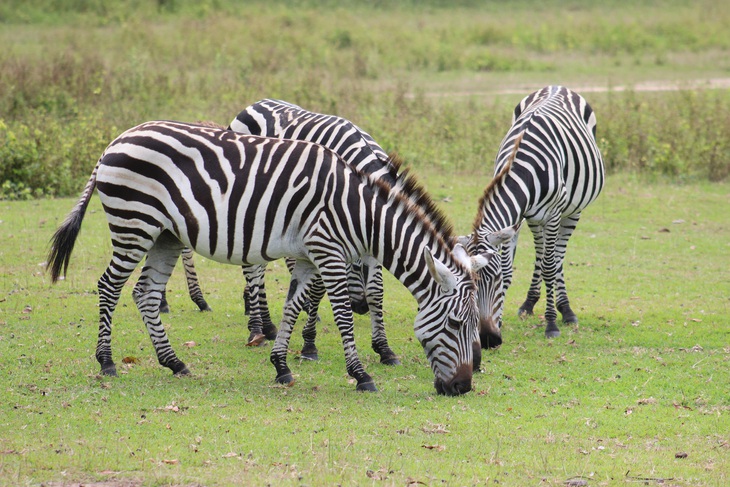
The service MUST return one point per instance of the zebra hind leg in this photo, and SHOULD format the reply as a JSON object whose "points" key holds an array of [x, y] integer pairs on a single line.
{"points": [[309, 333], [147, 294], [196, 294], [302, 277], [124, 261]]}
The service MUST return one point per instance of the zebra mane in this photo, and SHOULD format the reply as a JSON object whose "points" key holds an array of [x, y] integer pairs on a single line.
{"points": [[210, 124], [496, 181], [409, 191]]}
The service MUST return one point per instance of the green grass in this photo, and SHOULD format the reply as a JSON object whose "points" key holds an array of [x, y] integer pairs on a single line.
{"points": [[641, 379]]}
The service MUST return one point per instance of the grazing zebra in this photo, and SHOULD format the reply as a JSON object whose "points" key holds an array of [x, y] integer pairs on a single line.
{"points": [[241, 199], [554, 172], [275, 118]]}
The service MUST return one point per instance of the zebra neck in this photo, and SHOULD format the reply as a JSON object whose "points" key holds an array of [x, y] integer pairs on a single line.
{"points": [[399, 240], [498, 211]]}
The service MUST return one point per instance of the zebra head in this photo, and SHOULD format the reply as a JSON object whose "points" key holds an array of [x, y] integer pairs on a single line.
{"points": [[490, 283], [446, 324]]}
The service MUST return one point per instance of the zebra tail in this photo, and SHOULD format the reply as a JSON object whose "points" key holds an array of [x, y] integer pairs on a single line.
{"points": [[62, 242]]}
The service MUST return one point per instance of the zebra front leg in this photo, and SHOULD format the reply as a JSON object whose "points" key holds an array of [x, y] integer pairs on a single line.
{"points": [[373, 273], [549, 271], [334, 276], [196, 294], [567, 227], [302, 276], [533, 294], [309, 333], [147, 293]]}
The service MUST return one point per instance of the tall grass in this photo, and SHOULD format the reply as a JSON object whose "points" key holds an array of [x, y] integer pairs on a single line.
{"points": [[76, 73]]}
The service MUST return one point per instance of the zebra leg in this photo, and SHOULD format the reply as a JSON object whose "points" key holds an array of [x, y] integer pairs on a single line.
{"points": [[549, 271], [259, 322], [356, 279], [196, 294], [374, 294], [124, 261], [334, 276], [533, 294], [164, 306], [567, 227], [309, 333], [147, 293], [302, 276]]}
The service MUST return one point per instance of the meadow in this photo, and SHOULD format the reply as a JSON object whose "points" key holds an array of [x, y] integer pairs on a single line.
{"points": [[636, 393]]}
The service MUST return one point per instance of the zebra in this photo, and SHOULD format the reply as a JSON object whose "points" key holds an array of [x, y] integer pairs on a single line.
{"points": [[281, 119], [277, 118], [168, 185], [555, 171]]}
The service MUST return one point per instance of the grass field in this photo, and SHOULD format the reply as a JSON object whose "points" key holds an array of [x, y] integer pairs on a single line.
{"points": [[637, 393], [621, 397]]}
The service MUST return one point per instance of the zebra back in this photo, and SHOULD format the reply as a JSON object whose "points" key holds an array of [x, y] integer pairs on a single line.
{"points": [[276, 118]]}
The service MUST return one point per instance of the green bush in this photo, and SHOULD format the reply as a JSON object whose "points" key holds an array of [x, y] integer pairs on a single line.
{"points": [[76, 73]]}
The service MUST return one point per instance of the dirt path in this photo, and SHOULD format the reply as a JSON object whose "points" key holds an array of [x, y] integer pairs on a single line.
{"points": [[644, 86]]}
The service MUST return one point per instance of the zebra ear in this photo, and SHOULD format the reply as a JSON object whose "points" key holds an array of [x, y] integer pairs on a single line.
{"points": [[464, 240], [503, 236], [441, 274], [461, 254], [482, 260]]}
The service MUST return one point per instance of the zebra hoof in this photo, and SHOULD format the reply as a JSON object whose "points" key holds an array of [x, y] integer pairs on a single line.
{"points": [[285, 379], [164, 308], [184, 372], [110, 370], [524, 314], [205, 307], [392, 361], [366, 387], [270, 332], [313, 357], [552, 333], [256, 340]]}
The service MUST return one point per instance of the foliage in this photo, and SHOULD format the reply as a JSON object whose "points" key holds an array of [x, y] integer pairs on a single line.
{"points": [[623, 396], [77, 72]]}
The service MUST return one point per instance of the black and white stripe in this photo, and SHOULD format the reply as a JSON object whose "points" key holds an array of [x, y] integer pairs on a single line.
{"points": [[276, 118], [548, 170], [242, 199]]}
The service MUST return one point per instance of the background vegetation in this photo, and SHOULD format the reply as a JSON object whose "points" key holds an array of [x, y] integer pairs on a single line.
{"points": [[637, 393], [433, 80]]}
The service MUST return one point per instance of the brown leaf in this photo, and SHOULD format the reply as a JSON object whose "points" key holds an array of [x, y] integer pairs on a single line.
{"points": [[434, 447], [230, 455], [190, 344], [256, 340], [171, 462], [681, 454], [130, 360], [435, 429], [647, 400]]}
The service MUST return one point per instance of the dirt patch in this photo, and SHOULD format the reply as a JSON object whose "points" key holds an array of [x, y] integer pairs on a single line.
{"points": [[643, 86]]}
